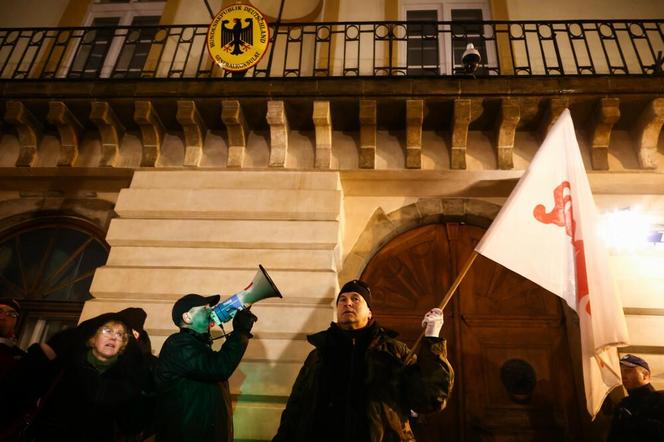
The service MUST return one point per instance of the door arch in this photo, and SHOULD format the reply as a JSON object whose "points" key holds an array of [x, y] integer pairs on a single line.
{"points": [[506, 337]]}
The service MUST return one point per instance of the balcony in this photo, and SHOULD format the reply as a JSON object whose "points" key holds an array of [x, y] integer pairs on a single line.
{"points": [[348, 49], [322, 79]]}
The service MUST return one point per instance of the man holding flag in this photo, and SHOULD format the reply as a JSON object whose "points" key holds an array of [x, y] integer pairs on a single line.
{"points": [[553, 211]]}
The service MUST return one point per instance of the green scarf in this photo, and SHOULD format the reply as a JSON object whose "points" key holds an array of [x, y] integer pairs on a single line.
{"points": [[100, 366]]}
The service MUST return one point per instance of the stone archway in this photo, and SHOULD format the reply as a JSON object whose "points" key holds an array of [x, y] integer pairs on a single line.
{"points": [[382, 227]]}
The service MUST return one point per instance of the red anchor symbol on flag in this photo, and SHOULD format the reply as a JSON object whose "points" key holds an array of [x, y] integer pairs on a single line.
{"points": [[562, 215]]}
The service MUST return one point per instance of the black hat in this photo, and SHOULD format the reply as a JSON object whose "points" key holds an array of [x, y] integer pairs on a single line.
{"points": [[13, 303], [633, 361], [357, 286], [134, 317], [185, 303]]}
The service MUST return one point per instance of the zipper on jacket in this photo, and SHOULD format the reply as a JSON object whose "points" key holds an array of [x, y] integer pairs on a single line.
{"points": [[349, 392]]}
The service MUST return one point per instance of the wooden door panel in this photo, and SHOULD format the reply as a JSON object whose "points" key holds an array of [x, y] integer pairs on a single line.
{"points": [[515, 382], [506, 338]]}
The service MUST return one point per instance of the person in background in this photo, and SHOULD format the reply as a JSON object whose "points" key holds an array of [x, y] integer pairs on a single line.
{"points": [[143, 411], [10, 353], [82, 384], [640, 415], [357, 386], [194, 401]]}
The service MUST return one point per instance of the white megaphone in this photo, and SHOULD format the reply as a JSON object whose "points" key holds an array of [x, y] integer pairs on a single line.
{"points": [[261, 287]]}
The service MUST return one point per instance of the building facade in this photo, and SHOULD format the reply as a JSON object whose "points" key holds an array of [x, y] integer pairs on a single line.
{"points": [[134, 170]]}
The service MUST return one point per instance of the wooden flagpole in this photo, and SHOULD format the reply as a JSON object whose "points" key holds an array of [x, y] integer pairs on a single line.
{"points": [[446, 298]]}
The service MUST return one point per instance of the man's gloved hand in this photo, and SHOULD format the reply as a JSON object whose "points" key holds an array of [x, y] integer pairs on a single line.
{"points": [[433, 322], [244, 321]]}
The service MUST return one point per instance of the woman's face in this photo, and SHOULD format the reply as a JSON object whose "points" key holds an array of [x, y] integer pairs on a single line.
{"points": [[109, 341]]}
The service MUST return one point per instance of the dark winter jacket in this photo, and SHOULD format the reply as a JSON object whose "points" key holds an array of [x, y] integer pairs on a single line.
{"points": [[80, 402], [10, 355], [192, 382], [639, 416], [355, 387]]}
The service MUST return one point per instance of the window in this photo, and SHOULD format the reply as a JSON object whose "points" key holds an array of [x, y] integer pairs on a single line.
{"points": [[437, 49], [422, 48], [48, 264], [111, 51]]}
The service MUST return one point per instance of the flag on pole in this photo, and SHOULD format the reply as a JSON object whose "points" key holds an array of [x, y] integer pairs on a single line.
{"points": [[547, 232]]}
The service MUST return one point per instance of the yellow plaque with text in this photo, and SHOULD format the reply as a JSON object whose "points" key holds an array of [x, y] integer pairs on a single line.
{"points": [[238, 37]]}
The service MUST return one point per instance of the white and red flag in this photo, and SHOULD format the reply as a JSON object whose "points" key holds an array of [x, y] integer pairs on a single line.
{"points": [[547, 232]]}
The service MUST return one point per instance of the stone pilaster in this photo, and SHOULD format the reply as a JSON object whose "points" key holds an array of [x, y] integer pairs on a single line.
{"points": [[152, 132], [508, 119], [194, 132], [29, 132], [236, 127], [460, 123], [646, 132], [555, 107], [367, 154], [110, 131], [69, 129], [323, 124], [278, 121], [414, 119], [607, 114]]}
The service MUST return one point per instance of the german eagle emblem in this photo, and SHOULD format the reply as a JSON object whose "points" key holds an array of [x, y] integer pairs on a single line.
{"points": [[237, 39]]}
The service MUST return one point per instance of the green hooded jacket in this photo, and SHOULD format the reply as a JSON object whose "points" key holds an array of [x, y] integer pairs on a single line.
{"points": [[194, 401]]}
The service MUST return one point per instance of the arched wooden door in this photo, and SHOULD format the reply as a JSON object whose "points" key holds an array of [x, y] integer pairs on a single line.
{"points": [[506, 338]]}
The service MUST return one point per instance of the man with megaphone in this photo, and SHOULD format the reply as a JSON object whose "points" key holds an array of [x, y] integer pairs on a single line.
{"points": [[194, 402], [359, 383]]}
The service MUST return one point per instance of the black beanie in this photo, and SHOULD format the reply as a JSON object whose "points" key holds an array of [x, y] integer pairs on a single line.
{"points": [[357, 286]]}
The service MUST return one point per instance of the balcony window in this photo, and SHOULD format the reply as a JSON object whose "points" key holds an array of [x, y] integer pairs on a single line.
{"points": [[423, 52], [113, 52]]}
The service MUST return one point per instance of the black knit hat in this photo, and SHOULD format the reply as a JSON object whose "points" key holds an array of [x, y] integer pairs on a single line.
{"points": [[134, 317], [357, 286], [185, 303]]}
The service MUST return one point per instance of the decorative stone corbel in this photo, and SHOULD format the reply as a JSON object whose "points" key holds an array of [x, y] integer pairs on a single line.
{"points": [[414, 119], [69, 129], [194, 132], [110, 131], [606, 115], [29, 132], [323, 124], [646, 132], [236, 127], [460, 123], [367, 134], [555, 107], [278, 121], [152, 132], [508, 119]]}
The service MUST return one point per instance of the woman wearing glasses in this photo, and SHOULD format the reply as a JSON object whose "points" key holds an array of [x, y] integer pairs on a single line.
{"points": [[96, 374]]}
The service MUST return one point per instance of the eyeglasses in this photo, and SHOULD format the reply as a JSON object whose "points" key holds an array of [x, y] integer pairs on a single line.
{"points": [[10, 313], [108, 331]]}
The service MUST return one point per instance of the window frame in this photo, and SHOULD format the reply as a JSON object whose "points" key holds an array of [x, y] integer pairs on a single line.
{"points": [[444, 10], [125, 12]]}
